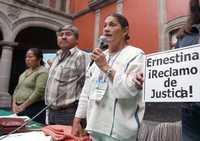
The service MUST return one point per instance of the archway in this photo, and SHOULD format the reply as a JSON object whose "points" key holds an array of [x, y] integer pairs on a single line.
{"points": [[37, 37]]}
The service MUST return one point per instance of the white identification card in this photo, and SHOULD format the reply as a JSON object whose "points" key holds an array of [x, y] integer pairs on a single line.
{"points": [[100, 90]]}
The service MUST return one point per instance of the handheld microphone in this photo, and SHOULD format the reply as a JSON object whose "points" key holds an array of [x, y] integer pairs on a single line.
{"points": [[102, 44]]}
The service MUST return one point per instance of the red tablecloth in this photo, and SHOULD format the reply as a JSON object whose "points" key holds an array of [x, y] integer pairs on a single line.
{"points": [[60, 132]]}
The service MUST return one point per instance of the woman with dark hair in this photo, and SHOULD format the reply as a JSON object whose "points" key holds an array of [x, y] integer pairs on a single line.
{"points": [[190, 28], [28, 97], [190, 35], [110, 99]]}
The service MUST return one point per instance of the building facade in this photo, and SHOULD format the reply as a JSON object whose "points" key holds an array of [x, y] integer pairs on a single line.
{"points": [[32, 23], [152, 23]]}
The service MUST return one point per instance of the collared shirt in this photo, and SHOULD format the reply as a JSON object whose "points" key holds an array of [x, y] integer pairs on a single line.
{"points": [[66, 78], [120, 111]]}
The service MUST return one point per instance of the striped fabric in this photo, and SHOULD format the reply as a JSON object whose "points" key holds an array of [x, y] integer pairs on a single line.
{"points": [[160, 131], [66, 78]]}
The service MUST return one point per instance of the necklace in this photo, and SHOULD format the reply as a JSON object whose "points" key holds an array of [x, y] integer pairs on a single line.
{"points": [[30, 72]]}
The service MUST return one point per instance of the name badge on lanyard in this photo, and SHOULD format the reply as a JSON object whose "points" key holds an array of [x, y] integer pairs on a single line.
{"points": [[100, 90]]}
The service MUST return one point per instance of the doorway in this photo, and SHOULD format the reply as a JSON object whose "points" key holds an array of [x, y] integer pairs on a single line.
{"points": [[31, 37]]}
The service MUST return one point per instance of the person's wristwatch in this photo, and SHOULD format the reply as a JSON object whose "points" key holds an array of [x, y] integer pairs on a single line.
{"points": [[109, 71]]}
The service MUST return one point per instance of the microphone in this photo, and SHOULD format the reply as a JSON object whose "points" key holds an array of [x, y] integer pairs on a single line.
{"points": [[102, 44]]}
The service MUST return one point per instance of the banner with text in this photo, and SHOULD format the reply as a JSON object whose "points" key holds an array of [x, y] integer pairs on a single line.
{"points": [[173, 76]]}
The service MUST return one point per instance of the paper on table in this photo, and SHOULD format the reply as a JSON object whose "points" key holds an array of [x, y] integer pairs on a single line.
{"points": [[15, 116], [28, 136]]}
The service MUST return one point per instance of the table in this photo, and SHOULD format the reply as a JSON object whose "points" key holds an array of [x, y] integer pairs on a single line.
{"points": [[32, 125]]}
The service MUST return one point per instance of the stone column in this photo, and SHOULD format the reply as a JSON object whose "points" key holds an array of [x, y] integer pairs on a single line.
{"points": [[5, 69], [96, 30], [162, 23], [119, 6]]}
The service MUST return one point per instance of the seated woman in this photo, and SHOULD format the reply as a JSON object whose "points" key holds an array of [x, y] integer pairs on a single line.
{"points": [[28, 97]]}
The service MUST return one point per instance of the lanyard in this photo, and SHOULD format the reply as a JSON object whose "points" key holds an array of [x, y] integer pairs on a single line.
{"points": [[111, 61]]}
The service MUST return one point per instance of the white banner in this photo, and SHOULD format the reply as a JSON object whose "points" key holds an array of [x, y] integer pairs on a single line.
{"points": [[173, 76]]}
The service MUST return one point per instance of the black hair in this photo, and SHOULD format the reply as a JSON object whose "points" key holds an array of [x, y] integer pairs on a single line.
{"points": [[122, 21], [38, 54], [194, 18], [194, 12], [72, 28]]}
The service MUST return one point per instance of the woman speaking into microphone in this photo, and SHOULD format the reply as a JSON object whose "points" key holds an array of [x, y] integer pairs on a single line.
{"points": [[111, 99]]}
